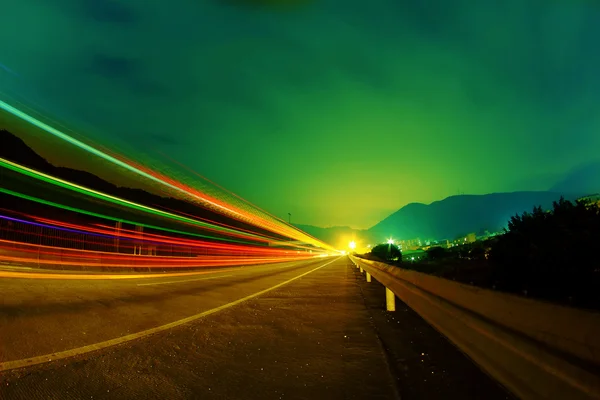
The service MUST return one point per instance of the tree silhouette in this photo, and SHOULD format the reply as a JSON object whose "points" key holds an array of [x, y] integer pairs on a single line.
{"points": [[551, 254], [387, 252], [436, 253]]}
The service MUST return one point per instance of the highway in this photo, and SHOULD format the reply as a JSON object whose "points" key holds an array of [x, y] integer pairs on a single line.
{"points": [[305, 329], [41, 316]]}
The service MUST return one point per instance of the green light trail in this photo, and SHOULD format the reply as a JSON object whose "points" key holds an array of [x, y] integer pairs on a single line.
{"points": [[107, 217], [96, 152], [256, 218], [112, 199]]}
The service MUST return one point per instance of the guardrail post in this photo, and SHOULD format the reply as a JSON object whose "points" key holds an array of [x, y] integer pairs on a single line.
{"points": [[361, 270], [368, 277], [390, 300]]}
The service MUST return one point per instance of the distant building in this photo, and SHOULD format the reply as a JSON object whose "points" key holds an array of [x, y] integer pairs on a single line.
{"points": [[445, 243], [410, 244], [469, 238]]}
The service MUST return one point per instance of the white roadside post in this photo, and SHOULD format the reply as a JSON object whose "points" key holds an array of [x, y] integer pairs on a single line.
{"points": [[368, 277], [390, 300]]}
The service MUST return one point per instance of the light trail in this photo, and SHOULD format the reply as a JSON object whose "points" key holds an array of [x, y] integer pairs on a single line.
{"points": [[94, 214], [104, 230], [112, 199], [189, 192]]}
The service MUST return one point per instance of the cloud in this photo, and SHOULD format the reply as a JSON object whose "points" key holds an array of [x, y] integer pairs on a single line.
{"points": [[126, 72], [114, 67], [271, 5], [108, 11]]}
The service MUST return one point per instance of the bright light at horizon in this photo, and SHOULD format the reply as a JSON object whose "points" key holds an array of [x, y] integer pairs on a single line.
{"points": [[390, 241], [352, 245]]}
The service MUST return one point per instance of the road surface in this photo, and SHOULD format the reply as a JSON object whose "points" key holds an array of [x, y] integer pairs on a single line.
{"points": [[296, 330]]}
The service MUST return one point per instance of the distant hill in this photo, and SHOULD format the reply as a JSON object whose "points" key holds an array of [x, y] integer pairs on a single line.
{"points": [[14, 149], [445, 219], [458, 215]]}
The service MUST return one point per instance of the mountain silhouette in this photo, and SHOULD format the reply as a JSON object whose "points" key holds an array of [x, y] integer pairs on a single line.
{"points": [[449, 218], [13, 148], [458, 215]]}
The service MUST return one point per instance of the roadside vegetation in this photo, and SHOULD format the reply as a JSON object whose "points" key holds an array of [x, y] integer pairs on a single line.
{"points": [[552, 255]]}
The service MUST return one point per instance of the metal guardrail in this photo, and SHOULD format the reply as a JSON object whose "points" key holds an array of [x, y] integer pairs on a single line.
{"points": [[537, 350]]}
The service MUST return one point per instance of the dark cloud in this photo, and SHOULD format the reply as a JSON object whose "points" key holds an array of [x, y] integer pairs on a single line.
{"points": [[276, 5], [114, 67], [128, 73], [108, 11], [432, 18]]}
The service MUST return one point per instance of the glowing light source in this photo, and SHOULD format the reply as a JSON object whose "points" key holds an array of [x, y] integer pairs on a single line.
{"points": [[352, 245], [390, 241]]}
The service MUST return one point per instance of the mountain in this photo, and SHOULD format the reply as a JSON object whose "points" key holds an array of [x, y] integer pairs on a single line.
{"points": [[449, 218], [14, 149], [458, 215], [583, 179]]}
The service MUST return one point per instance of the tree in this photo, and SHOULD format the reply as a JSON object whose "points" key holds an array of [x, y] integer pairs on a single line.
{"points": [[387, 252], [436, 253], [551, 254]]}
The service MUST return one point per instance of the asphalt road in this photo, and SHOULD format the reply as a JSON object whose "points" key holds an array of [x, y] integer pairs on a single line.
{"points": [[40, 316], [319, 333]]}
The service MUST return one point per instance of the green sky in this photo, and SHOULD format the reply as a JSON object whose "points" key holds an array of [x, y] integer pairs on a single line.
{"points": [[339, 112]]}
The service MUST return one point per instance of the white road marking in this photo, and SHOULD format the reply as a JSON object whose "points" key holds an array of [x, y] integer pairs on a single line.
{"points": [[26, 362], [187, 280]]}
